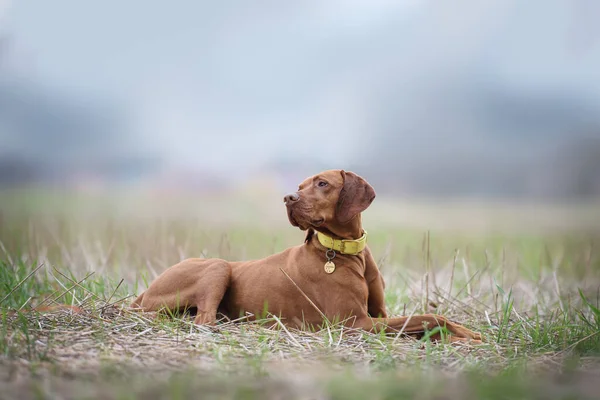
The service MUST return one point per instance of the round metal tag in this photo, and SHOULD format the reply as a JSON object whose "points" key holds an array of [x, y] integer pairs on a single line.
{"points": [[329, 267]]}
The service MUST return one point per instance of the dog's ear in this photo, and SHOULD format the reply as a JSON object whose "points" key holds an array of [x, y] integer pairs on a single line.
{"points": [[355, 197], [309, 234]]}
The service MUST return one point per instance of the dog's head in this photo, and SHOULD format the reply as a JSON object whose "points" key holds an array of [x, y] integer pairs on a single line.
{"points": [[329, 201]]}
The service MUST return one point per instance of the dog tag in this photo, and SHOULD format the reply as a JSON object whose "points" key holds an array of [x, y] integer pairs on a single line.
{"points": [[329, 267]]}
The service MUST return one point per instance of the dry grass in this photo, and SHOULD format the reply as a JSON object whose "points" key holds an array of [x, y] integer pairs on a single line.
{"points": [[532, 293]]}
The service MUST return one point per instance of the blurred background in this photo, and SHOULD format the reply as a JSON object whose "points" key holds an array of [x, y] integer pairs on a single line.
{"points": [[473, 99]]}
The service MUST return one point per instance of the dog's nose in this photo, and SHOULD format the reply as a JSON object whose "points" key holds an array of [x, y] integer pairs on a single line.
{"points": [[290, 198]]}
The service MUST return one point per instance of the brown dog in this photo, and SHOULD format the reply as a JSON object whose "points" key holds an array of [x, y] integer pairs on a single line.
{"points": [[332, 275]]}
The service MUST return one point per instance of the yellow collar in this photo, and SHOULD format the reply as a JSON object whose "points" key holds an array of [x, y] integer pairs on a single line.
{"points": [[352, 247]]}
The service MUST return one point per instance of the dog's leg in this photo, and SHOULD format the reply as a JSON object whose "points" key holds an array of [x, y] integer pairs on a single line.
{"points": [[137, 303], [210, 289], [192, 283], [417, 325]]}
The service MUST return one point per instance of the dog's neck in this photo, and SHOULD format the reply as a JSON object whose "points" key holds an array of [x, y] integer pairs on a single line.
{"points": [[351, 230]]}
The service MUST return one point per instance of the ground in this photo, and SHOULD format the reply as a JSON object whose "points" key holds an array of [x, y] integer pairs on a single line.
{"points": [[525, 275]]}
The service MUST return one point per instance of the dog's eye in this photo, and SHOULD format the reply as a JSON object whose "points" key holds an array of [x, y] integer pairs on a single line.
{"points": [[322, 184]]}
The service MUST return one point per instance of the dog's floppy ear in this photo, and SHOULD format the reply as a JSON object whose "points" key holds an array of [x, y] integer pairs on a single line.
{"points": [[355, 197]]}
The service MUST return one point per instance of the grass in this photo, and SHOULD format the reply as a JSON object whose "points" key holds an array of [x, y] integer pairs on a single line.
{"points": [[532, 289]]}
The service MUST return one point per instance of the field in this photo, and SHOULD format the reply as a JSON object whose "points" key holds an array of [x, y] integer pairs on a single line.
{"points": [[525, 275]]}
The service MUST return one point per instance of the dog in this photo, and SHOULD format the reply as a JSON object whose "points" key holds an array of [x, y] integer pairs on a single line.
{"points": [[332, 276]]}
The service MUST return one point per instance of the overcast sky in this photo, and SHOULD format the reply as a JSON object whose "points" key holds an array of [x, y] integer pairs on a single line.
{"points": [[206, 81]]}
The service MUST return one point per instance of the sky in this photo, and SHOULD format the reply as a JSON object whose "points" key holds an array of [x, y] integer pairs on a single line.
{"points": [[232, 84], [198, 71]]}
